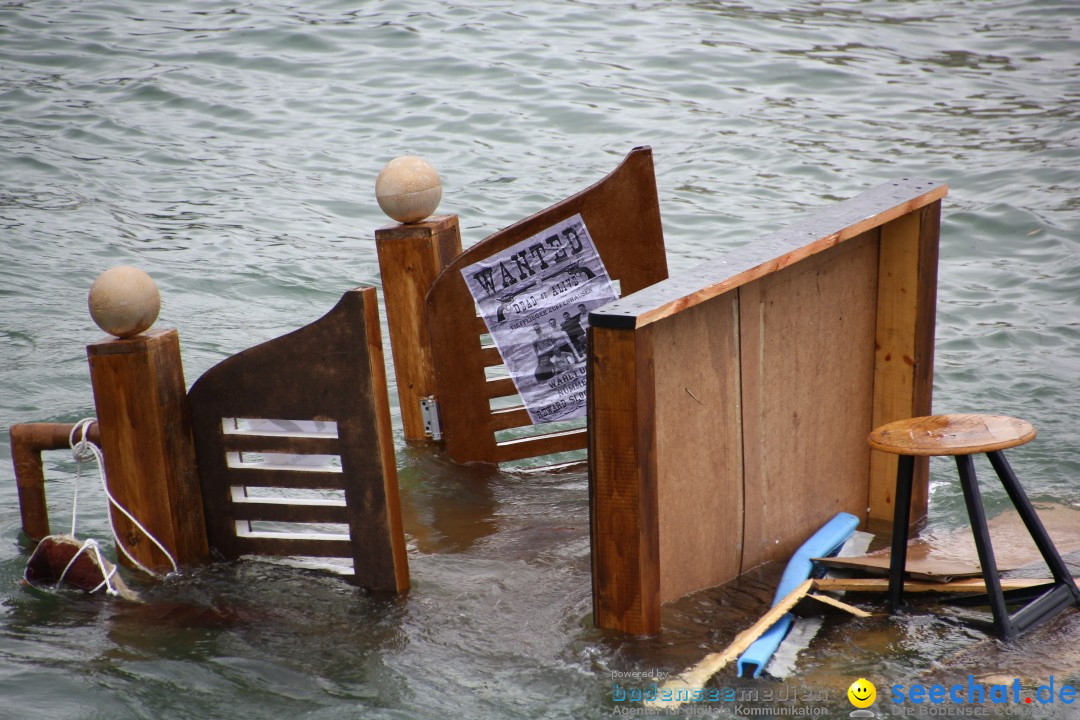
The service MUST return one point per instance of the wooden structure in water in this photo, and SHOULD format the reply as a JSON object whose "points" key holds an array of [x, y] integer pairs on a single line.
{"points": [[728, 408], [272, 452]]}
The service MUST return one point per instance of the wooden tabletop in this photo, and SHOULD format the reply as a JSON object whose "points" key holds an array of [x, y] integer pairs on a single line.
{"points": [[951, 435]]}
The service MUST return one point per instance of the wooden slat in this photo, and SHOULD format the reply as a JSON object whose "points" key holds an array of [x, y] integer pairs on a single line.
{"points": [[622, 214], [293, 547], [508, 418], [817, 233], [286, 479], [478, 326], [254, 510], [622, 482], [281, 444], [490, 357], [536, 445], [500, 387], [330, 369], [693, 678]]}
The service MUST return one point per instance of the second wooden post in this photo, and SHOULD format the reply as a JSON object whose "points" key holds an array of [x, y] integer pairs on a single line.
{"points": [[411, 255]]}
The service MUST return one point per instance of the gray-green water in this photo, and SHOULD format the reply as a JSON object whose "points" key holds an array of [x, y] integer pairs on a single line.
{"points": [[230, 150]]}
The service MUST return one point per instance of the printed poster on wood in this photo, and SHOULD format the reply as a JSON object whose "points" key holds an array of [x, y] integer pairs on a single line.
{"points": [[535, 298]]}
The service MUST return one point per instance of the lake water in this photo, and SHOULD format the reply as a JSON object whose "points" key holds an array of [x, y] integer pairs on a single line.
{"points": [[230, 150]]}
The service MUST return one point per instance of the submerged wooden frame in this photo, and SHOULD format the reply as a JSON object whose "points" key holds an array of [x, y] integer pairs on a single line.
{"points": [[622, 214], [728, 408]]}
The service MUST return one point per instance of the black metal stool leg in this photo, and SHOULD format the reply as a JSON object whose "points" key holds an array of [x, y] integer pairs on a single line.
{"points": [[905, 470], [973, 499], [1031, 519]]}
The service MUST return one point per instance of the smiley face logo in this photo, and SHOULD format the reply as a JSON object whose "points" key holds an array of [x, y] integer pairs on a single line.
{"points": [[862, 693]]}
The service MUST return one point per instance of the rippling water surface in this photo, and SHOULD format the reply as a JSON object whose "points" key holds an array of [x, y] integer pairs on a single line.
{"points": [[230, 150]]}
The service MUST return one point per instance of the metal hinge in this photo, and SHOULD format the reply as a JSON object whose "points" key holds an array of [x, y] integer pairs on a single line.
{"points": [[429, 410]]}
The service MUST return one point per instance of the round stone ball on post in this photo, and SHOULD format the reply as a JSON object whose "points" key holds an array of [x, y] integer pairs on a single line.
{"points": [[124, 301], [408, 189]]}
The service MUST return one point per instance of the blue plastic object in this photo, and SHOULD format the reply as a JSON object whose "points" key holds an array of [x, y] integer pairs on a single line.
{"points": [[825, 542]]}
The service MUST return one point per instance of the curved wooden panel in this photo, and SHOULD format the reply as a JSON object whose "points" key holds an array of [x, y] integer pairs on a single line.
{"points": [[330, 371], [622, 214]]}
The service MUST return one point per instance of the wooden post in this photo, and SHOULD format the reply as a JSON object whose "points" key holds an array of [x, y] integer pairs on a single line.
{"points": [[410, 257], [146, 439]]}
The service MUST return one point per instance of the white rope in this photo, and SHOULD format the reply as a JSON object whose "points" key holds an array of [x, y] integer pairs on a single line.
{"points": [[82, 451], [106, 582]]}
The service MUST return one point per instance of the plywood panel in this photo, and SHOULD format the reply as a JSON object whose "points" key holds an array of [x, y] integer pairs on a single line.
{"points": [[700, 494], [807, 369]]}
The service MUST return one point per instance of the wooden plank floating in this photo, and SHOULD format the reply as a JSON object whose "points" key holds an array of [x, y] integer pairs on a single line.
{"points": [[881, 585], [622, 213], [729, 406], [330, 370], [680, 688]]}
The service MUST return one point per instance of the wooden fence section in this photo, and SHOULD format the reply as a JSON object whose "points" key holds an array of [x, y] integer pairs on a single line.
{"points": [[729, 407], [305, 412], [622, 215]]}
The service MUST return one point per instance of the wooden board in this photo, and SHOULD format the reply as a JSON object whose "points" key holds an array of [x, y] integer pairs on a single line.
{"points": [[700, 484], [146, 441], [622, 214], [807, 388], [331, 370]]}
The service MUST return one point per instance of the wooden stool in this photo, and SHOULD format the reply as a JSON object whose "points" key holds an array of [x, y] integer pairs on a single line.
{"points": [[962, 436]]}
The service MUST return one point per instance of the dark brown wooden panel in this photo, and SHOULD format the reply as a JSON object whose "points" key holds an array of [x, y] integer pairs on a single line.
{"points": [[293, 547], [333, 370], [281, 444]]}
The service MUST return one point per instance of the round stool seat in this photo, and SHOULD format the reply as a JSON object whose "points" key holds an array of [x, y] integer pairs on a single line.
{"points": [[951, 435]]}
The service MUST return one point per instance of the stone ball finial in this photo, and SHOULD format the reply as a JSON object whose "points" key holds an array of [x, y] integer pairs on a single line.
{"points": [[408, 189], [124, 301]]}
